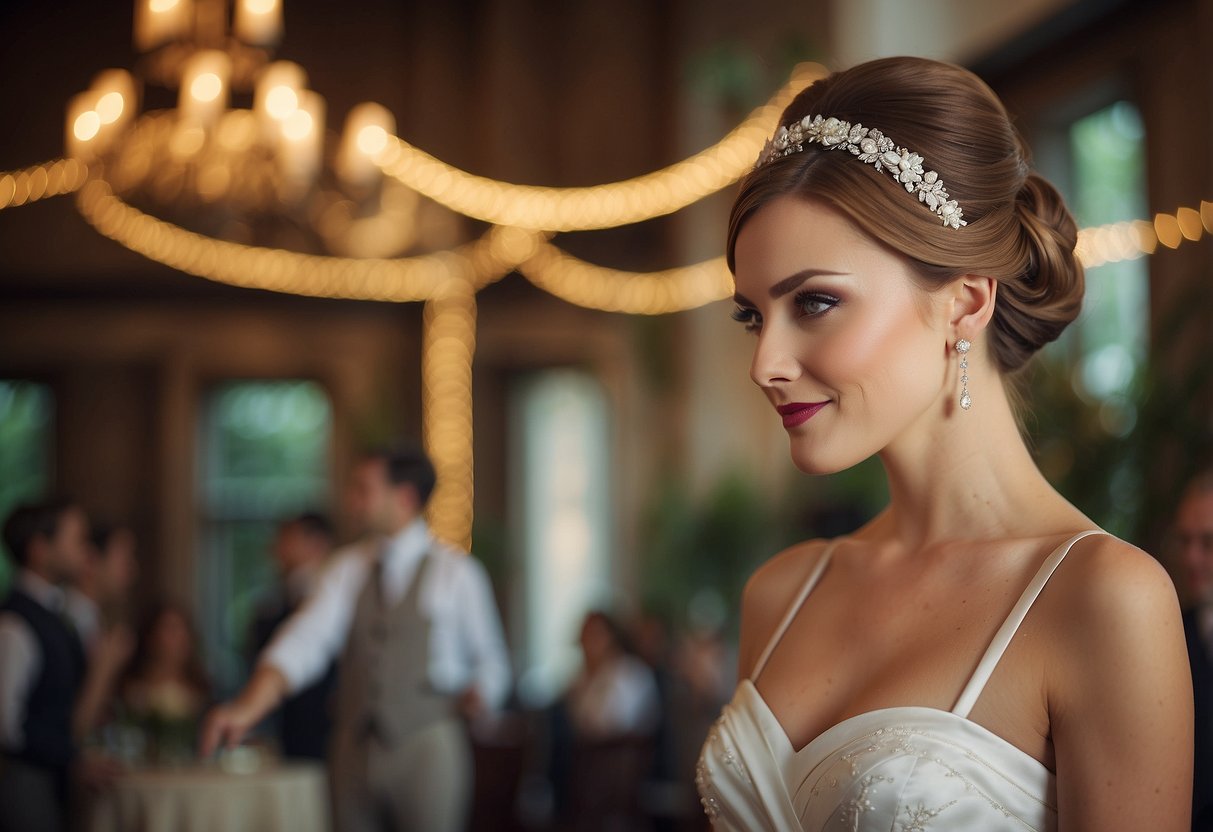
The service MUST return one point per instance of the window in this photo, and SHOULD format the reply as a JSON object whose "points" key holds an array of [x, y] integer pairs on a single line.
{"points": [[1086, 394], [265, 457], [26, 422], [559, 422], [1109, 186]]}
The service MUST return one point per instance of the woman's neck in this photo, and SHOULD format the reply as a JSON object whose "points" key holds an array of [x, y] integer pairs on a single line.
{"points": [[967, 475]]}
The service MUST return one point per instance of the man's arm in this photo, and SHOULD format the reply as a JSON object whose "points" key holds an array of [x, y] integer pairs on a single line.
{"points": [[110, 654], [305, 644], [20, 662], [483, 637], [227, 724], [299, 654]]}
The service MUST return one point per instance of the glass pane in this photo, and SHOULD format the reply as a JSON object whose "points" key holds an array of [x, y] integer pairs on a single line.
{"points": [[265, 459], [1087, 387], [1108, 148], [26, 422], [560, 420]]}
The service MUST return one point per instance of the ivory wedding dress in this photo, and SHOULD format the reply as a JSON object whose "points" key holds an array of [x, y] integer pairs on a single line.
{"points": [[905, 769]]}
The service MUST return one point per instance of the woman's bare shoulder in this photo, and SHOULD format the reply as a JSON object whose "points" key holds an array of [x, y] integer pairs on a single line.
{"points": [[1120, 693], [1104, 577], [1111, 604], [772, 578], [770, 590]]}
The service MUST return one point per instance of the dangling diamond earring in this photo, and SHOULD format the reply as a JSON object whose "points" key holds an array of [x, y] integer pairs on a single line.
{"points": [[962, 347]]}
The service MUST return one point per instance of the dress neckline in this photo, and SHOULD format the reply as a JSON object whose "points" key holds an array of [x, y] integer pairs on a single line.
{"points": [[968, 695], [838, 733]]}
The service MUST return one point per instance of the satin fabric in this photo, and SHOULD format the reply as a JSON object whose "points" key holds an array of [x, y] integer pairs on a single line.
{"points": [[904, 769], [894, 770]]}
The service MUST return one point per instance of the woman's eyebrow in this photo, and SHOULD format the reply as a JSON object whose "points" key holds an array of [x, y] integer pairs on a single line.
{"points": [[789, 284]]}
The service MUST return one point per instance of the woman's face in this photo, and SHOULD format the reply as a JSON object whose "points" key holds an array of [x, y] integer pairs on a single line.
{"points": [[171, 640], [851, 351], [596, 640]]}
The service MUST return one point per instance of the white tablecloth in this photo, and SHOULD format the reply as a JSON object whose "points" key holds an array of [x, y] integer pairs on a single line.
{"points": [[286, 798]]}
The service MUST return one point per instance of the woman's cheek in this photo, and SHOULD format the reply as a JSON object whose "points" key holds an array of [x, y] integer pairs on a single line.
{"points": [[861, 348]]}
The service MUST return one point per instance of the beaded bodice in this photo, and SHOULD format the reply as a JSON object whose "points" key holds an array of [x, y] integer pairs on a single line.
{"points": [[906, 769]]}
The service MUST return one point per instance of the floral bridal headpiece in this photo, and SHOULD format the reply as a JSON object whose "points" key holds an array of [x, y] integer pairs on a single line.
{"points": [[872, 147]]}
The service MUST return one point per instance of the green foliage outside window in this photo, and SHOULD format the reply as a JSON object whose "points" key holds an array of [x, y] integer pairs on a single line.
{"points": [[26, 411], [1090, 417], [266, 456]]}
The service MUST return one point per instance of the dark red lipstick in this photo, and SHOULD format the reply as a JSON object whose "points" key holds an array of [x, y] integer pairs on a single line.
{"points": [[797, 413]]}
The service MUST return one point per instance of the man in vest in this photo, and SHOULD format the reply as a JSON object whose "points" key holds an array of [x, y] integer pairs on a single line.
{"points": [[42, 666], [420, 644]]}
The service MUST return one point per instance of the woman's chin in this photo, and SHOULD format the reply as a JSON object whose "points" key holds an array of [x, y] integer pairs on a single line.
{"points": [[815, 463]]}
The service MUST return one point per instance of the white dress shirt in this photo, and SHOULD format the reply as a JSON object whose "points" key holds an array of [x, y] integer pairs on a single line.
{"points": [[85, 615], [620, 699], [20, 657], [467, 645]]}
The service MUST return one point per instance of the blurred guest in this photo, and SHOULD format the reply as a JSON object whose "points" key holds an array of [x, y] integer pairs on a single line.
{"points": [[165, 690], [301, 548], [416, 625], [664, 792], [701, 683], [603, 733], [616, 694], [42, 665], [1194, 534], [97, 605], [97, 598]]}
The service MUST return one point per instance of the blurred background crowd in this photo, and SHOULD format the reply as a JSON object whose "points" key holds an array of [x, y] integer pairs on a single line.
{"points": [[600, 451]]}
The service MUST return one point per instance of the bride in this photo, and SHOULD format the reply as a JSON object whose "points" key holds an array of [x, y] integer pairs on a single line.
{"points": [[980, 656]]}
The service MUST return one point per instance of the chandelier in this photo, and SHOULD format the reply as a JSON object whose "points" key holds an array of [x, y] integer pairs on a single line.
{"points": [[268, 173]]}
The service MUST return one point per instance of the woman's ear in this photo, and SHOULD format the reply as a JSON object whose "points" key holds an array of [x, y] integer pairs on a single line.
{"points": [[972, 304]]}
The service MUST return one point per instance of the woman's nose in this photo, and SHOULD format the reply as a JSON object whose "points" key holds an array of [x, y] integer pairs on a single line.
{"points": [[773, 361]]}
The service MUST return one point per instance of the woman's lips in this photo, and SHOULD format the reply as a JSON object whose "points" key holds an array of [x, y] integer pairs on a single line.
{"points": [[797, 413]]}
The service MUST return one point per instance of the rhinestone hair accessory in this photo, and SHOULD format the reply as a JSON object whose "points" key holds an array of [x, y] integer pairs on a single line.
{"points": [[872, 147]]}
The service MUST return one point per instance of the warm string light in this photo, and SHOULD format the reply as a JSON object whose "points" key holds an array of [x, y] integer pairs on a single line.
{"points": [[637, 293], [61, 176], [501, 250], [1119, 241], [599, 206], [399, 280], [448, 347]]}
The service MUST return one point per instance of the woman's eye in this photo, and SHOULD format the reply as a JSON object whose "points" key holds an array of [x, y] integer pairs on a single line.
{"points": [[748, 317], [813, 304]]}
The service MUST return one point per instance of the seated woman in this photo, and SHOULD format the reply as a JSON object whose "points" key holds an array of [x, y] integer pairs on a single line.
{"points": [[616, 695], [602, 732], [165, 690]]}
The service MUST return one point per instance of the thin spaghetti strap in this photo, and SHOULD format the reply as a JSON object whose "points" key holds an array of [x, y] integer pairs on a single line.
{"points": [[794, 608], [1002, 639]]}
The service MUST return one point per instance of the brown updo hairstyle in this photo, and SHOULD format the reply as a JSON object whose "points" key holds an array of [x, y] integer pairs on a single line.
{"points": [[1019, 230]]}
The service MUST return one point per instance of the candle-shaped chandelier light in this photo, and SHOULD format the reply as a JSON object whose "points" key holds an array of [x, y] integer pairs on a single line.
{"points": [[264, 161]]}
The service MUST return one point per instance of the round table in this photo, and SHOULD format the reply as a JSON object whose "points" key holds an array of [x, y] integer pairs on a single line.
{"points": [[291, 796]]}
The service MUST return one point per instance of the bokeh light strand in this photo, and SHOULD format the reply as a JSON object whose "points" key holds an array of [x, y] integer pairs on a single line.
{"points": [[399, 280], [448, 347], [637, 293], [53, 178], [608, 205]]}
